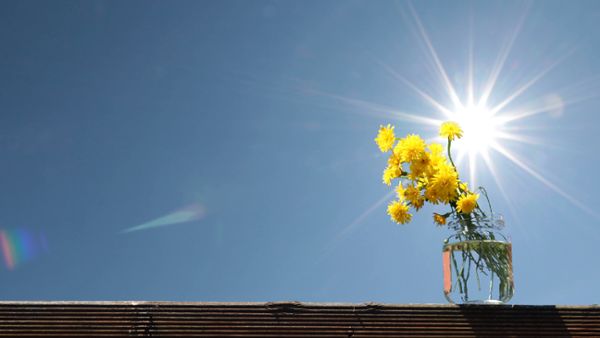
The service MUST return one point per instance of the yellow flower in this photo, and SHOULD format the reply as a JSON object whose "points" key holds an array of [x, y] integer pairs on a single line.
{"points": [[439, 219], [411, 194], [400, 192], [431, 196], [437, 154], [410, 148], [390, 173], [436, 149], [420, 167], [450, 130], [443, 185], [394, 160], [398, 212], [467, 203], [385, 138], [418, 203]]}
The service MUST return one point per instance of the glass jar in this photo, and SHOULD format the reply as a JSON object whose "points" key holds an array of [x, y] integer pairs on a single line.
{"points": [[477, 261]]}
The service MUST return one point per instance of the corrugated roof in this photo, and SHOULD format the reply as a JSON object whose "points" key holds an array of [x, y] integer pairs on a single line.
{"points": [[292, 319]]}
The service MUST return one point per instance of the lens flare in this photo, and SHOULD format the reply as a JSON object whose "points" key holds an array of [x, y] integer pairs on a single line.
{"points": [[20, 245], [187, 214]]}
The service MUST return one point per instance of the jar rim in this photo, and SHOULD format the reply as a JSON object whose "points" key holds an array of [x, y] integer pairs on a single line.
{"points": [[491, 221]]}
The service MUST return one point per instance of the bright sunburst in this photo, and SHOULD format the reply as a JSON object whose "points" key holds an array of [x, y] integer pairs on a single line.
{"points": [[485, 126], [481, 129]]}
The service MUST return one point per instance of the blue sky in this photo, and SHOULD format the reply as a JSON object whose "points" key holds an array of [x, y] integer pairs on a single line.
{"points": [[256, 120]]}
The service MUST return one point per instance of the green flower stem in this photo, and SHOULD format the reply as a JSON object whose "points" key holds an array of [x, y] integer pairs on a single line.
{"points": [[458, 274], [491, 286], [450, 154]]}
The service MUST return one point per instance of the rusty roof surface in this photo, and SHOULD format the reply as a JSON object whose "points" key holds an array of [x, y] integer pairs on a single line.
{"points": [[293, 319]]}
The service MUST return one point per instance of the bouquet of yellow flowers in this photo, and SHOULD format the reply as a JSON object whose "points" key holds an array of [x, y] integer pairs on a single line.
{"points": [[429, 175], [424, 174]]}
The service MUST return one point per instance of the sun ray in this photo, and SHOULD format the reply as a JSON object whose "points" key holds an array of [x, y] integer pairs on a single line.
{"points": [[384, 111], [526, 86], [492, 168], [472, 170], [530, 140], [519, 114], [440, 107], [528, 113], [501, 60], [514, 159], [471, 65], [352, 226], [460, 157], [433, 140], [438, 64], [519, 138]]}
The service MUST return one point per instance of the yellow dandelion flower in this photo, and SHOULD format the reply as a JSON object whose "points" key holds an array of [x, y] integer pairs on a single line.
{"points": [[431, 196], [390, 173], [439, 219], [420, 167], [418, 203], [436, 158], [398, 212], [410, 148], [411, 194], [436, 149], [434, 165], [400, 192], [450, 130], [385, 138], [443, 185], [394, 160], [467, 203]]}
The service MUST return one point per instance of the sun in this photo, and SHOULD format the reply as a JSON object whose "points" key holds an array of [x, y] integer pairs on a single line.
{"points": [[480, 129]]}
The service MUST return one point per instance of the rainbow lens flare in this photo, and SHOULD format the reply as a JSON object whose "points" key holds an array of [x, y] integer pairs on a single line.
{"points": [[19, 246]]}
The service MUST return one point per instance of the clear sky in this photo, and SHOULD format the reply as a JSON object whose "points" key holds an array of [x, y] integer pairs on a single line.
{"points": [[223, 150]]}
